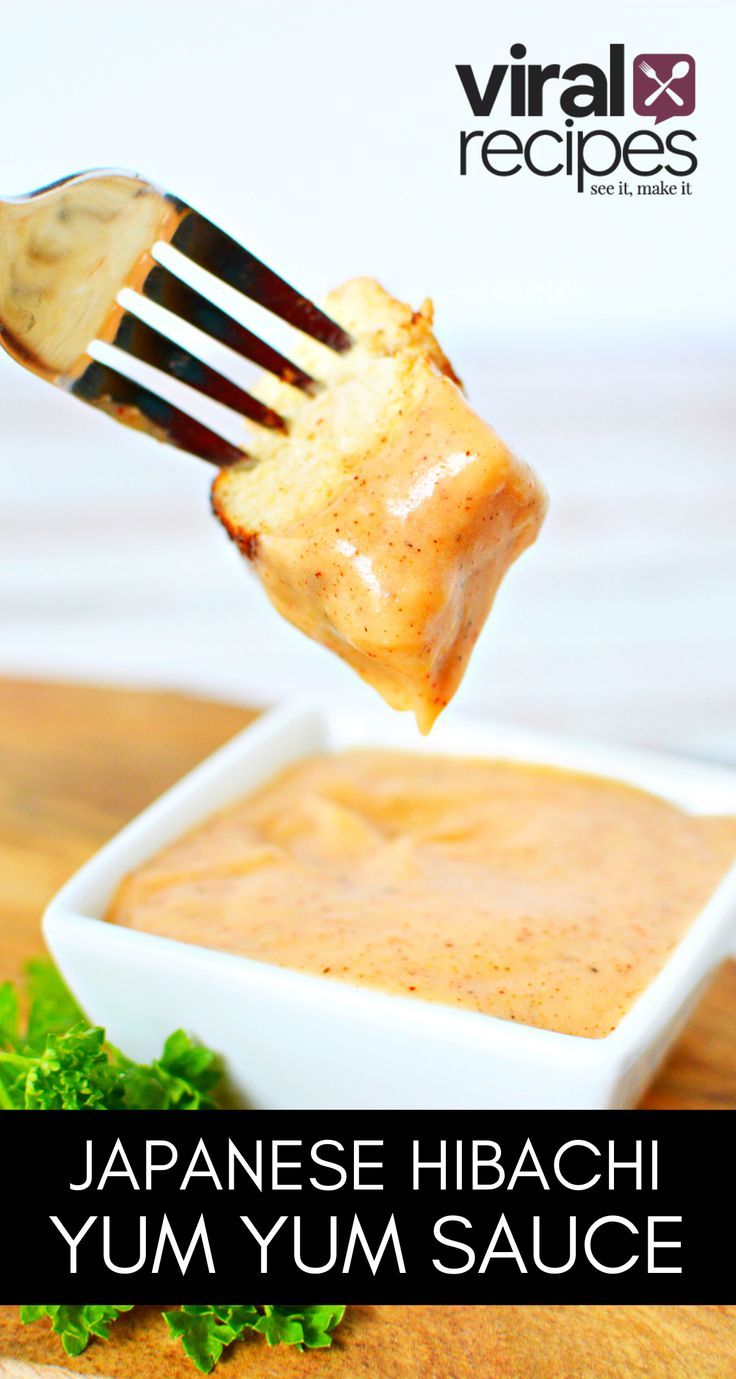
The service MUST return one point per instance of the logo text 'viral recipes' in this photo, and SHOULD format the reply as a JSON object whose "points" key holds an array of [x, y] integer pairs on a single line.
{"points": [[663, 87]]}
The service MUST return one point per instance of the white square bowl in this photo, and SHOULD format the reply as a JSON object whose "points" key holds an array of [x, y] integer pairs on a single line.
{"points": [[294, 1040]]}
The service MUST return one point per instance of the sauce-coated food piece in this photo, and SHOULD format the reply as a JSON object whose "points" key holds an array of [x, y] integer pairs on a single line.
{"points": [[383, 524]]}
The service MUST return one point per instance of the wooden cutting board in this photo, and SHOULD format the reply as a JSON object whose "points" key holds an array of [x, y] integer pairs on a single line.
{"points": [[420, 1343], [75, 764]]}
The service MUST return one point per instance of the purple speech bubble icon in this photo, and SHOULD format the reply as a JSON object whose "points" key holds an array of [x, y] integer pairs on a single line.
{"points": [[664, 85]]}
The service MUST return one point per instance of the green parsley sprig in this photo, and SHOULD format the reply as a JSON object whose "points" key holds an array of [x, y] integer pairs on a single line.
{"points": [[55, 1060], [58, 1062], [206, 1331], [76, 1325]]}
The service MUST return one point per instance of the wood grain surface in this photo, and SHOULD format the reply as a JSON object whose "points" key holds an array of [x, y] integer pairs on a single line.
{"points": [[417, 1343], [75, 764]]}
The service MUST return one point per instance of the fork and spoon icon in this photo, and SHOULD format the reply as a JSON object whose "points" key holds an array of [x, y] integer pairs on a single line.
{"points": [[679, 70]]}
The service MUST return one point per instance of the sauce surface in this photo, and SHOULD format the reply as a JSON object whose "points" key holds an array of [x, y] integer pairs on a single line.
{"points": [[538, 895]]}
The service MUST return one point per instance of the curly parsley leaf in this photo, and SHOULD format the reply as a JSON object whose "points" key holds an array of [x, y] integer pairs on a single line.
{"points": [[52, 1008], [61, 1063], [303, 1327], [76, 1325], [182, 1079], [9, 1014], [72, 1073], [206, 1331]]}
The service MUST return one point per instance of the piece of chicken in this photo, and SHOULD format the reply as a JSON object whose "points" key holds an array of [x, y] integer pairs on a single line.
{"points": [[383, 523]]}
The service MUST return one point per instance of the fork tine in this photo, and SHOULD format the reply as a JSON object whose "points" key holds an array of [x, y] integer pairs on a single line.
{"points": [[170, 292], [136, 337], [221, 255], [134, 405]]}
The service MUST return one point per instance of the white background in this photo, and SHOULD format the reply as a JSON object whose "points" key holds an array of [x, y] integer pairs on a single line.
{"points": [[597, 335]]}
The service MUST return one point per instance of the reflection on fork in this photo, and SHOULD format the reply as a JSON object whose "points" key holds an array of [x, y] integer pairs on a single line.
{"points": [[73, 252]]}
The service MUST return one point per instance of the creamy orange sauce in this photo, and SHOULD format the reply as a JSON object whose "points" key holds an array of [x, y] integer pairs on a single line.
{"points": [[398, 573], [538, 895]]}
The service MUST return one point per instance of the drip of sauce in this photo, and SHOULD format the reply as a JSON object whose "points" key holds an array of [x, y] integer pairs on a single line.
{"points": [[538, 895]]}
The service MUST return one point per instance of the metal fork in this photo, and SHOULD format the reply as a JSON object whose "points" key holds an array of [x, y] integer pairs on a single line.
{"points": [[66, 253]]}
